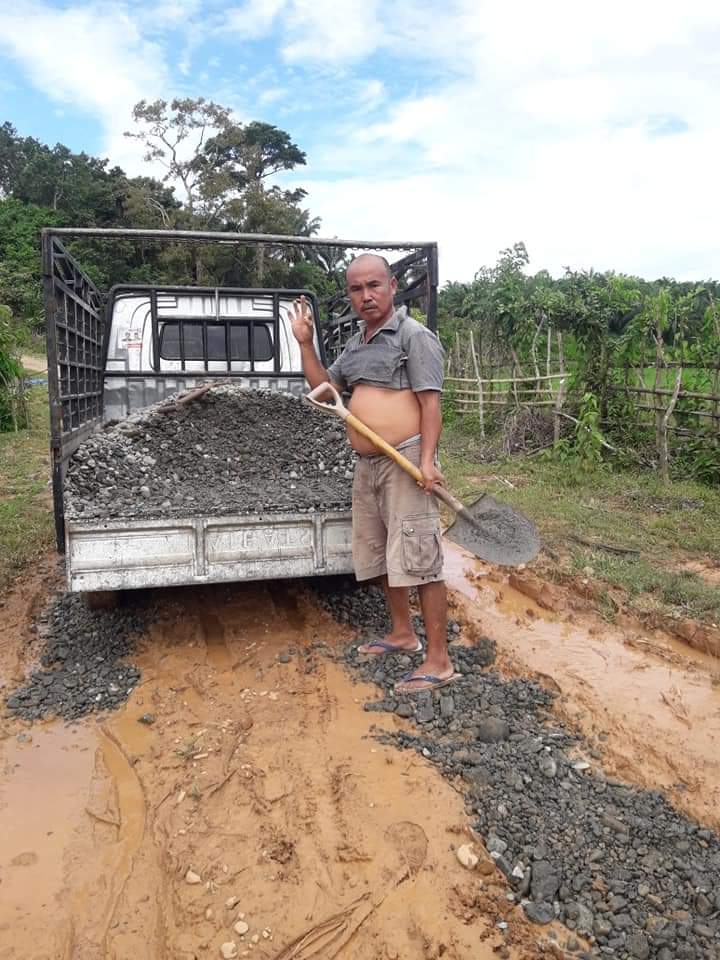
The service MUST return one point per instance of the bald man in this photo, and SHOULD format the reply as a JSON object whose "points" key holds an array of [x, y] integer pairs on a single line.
{"points": [[393, 369]]}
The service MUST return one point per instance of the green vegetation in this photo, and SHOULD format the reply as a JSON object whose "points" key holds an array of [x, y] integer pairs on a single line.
{"points": [[26, 520], [666, 524], [13, 406], [621, 340], [226, 182]]}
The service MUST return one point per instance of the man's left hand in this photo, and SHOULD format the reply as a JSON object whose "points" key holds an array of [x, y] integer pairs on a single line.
{"points": [[431, 476]]}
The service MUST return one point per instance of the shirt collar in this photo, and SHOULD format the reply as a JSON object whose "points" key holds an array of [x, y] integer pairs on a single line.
{"points": [[392, 323]]}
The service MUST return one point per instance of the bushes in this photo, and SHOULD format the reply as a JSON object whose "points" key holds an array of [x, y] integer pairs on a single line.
{"points": [[13, 408]]}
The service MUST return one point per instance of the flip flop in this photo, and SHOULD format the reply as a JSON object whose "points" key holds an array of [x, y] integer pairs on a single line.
{"points": [[433, 682], [386, 648]]}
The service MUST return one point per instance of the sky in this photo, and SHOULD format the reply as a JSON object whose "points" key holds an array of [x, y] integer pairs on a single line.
{"points": [[589, 131]]}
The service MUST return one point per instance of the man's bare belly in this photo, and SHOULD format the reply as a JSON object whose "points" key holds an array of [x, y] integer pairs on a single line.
{"points": [[393, 414]]}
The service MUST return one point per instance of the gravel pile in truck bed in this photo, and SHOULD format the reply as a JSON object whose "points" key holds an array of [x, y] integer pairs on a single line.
{"points": [[619, 866], [231, 452]]}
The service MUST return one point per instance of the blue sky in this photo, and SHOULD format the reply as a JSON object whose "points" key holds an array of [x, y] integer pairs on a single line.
{"points": [[589, 131]]}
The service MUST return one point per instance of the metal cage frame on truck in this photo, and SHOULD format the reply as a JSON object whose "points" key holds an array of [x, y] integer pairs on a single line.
{"points": [[76, 315]]}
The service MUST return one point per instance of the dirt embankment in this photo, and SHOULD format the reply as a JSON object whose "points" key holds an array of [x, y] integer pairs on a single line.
{"points": [[240, 785]]}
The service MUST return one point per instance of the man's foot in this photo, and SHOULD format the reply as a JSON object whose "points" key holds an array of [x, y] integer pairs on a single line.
{"points": [[391, 644], [426, 677]]}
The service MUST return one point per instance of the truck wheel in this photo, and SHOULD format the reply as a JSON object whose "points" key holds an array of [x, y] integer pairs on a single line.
{"points": [[102, 599]]}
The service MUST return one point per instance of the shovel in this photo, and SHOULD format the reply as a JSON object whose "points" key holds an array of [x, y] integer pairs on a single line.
{"points": [[491, 530]]}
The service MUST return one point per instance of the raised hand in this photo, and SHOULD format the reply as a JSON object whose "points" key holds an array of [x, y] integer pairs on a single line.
{"points": [[301, 320]]}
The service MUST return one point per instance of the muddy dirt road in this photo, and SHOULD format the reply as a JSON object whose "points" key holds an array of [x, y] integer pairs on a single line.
{"points": [[256, 809]]}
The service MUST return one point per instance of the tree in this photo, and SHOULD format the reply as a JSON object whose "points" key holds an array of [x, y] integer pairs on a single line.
{"points": [[240, 156], [224, 168], [174, 135], [20, 268]]}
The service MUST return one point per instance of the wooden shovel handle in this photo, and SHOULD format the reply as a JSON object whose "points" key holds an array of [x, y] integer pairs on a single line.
{"points": [[340, 410]]}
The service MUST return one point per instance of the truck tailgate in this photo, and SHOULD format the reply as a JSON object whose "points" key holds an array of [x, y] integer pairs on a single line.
{"points": [[130, 554]]}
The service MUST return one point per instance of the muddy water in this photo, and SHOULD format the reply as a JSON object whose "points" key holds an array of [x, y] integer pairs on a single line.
{"points": [[649, 702], [43, 790]]}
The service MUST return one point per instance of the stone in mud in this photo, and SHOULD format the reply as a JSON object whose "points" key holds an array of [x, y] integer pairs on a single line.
{"points": [[467, 856], [493, 730], [447, 706], [539, 912], [545, 881], [229, 950], [703, 905], [425, 713], [638, 946], [548, 766], [192, 878]]}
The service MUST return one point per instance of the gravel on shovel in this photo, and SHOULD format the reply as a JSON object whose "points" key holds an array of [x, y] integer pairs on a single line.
{"points": [[617, 865]]}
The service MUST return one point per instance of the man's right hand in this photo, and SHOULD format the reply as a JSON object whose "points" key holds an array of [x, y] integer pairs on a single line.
{"points": [[301, 320]]}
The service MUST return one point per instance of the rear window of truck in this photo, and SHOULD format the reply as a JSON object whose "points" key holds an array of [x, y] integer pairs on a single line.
{"points": [[191, 347]]}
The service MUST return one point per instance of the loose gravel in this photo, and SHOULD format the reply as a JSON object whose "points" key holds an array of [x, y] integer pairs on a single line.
{"points": [[232, 452], [619, 866], [82, 664]]}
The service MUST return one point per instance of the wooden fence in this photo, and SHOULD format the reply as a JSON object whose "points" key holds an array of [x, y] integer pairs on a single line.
{"points": [[664, 411], [480, 395]]}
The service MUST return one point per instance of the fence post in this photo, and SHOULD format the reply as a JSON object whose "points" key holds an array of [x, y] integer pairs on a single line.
{"points": [[481, 412], [663, 429], [560, 396], [517, 372], [549, 351]]}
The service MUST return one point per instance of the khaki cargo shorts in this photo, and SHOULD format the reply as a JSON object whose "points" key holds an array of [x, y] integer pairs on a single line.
{"points": [[395, 525]]}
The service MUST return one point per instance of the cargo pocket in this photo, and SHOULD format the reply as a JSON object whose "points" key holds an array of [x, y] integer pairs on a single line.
{"points": [[421, 549]]}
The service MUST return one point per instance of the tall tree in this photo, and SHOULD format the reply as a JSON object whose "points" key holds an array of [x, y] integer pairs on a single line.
{"points": [[174, 134]]}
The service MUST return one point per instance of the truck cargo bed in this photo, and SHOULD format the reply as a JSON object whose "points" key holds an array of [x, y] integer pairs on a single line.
{"points": [[132, 554]]}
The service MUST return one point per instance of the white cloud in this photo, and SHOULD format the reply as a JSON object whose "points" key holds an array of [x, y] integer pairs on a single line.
{"points": [[92, 58], [254, 18], [272, 95], [545, 130], [587, 132], [605, 203]]}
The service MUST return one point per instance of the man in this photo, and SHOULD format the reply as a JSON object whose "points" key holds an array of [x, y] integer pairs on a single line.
{"points": [[394, 370]]}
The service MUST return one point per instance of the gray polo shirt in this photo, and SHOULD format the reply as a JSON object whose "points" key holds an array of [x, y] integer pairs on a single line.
{"points": [[401, 355]]}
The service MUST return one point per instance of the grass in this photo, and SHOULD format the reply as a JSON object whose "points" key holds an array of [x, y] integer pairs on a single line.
{"points": [[667, 524], [26, 519]]}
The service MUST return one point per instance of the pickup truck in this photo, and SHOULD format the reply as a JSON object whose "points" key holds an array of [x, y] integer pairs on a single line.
{"points": [[110, 355]]}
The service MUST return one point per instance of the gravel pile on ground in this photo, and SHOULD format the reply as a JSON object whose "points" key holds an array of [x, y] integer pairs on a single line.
{"points": [[617, 865], [81, 660], [231, 452]]}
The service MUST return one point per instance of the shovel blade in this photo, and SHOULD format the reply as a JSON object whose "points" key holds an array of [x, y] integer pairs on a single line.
{"points": [[495, 532]]}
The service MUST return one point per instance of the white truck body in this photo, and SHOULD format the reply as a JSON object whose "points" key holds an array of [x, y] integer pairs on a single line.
{"points": [[121, 554]]}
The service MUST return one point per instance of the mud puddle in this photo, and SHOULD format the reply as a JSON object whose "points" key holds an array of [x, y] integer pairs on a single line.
{"points": [[648, 702], [43, 790]]}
